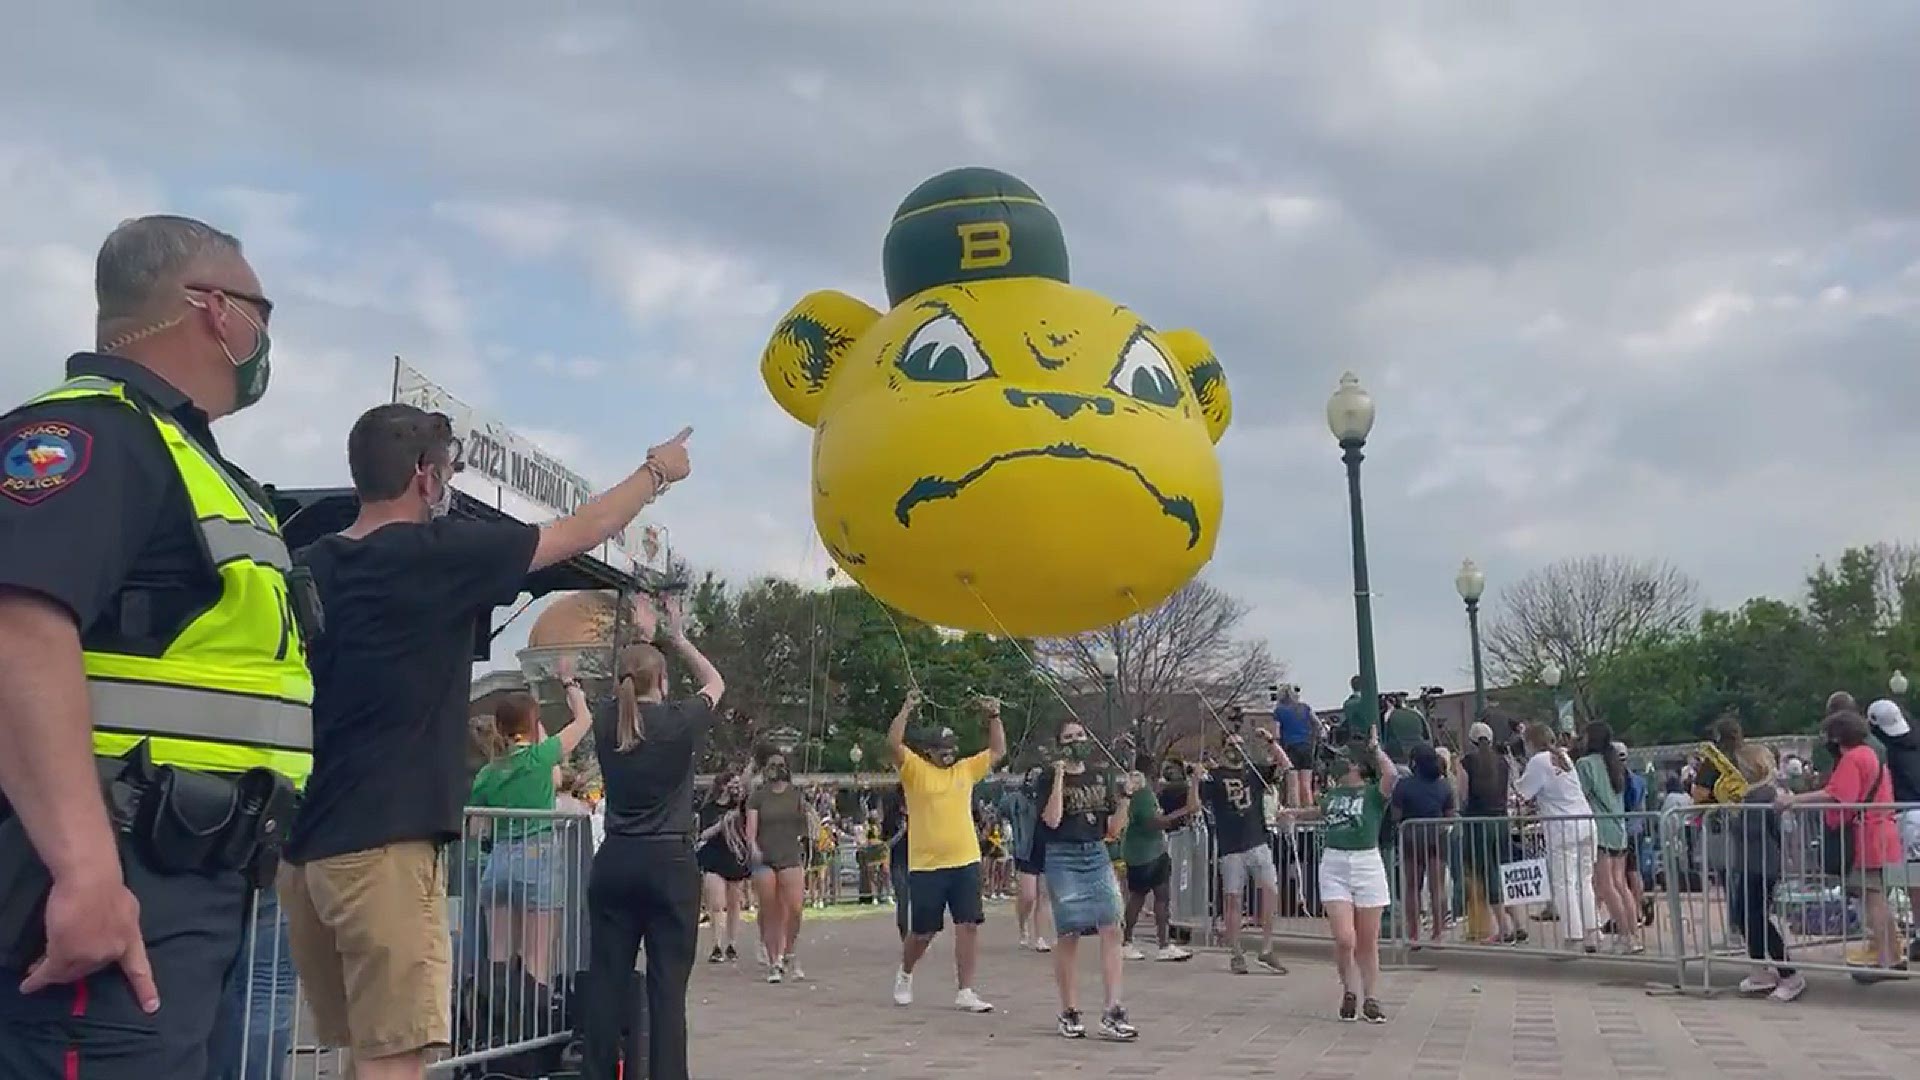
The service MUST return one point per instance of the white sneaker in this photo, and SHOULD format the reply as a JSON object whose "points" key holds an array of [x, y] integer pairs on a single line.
{"points": [[968, 1001], [1789, 989], [1132, 952], [1172, 953], [792, 966], [902, 988], [1026, 940], [1760, 982], [1040, 945]]}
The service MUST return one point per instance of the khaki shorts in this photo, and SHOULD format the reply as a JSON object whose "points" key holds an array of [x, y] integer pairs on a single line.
{"points": [[368, 932]]}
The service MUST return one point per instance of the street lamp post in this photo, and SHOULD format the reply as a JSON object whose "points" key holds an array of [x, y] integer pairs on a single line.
{"points": [[1551, 676], [1350, 418], [1472, 584]]}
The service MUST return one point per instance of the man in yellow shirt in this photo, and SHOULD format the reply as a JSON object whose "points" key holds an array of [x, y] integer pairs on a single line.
{"points": [[943, 851]]}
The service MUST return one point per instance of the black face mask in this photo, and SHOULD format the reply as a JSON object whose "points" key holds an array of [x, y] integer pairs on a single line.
{"points": [[1172, 776], [779, 772]]}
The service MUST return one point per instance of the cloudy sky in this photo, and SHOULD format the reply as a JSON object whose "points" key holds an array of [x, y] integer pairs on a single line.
{"points": [[1638, 279]]}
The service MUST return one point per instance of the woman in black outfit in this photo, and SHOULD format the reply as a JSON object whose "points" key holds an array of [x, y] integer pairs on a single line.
{"points": [[645, 885], [721, 850]]}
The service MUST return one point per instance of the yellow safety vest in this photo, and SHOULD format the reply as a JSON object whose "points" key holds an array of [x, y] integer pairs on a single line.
{"points": [[232, 691]]}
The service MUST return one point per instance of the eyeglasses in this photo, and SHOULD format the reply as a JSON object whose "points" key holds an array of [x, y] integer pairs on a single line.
{"points": [[260, 303]]}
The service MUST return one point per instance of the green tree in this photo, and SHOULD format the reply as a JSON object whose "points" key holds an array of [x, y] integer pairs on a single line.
{"points": [[1770, 663], [834, 665]]}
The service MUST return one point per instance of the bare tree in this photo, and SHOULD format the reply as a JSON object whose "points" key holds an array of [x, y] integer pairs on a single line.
{"points": [[1577, 612], [1164, 662]]}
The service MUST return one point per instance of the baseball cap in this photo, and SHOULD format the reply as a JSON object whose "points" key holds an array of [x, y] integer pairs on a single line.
{"points": [[1886, 716], [1479, 733]]}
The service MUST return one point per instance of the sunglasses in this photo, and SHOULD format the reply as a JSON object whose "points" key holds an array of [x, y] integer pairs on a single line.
{"points": [[260, 303]]}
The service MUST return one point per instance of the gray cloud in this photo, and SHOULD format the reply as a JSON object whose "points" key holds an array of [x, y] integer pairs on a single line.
{"points": [[1638, 281]]}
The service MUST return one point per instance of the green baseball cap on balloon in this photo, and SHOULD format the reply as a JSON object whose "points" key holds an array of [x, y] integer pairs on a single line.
{"points": [[970, 224]]}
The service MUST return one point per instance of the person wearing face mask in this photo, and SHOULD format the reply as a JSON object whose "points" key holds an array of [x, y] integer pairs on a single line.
{"points": [[943, 852], [721, 850], [404, 589], [1149, 866], [777, 844], [1235, 791], [1079, 811], [156, 645]]}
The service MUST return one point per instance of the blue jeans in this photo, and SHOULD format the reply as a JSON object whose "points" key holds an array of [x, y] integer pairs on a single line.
{"points": [[256, 1010]]}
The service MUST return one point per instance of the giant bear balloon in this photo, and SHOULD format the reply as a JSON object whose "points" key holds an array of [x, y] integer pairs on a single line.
{"points": [[1001, 450]]}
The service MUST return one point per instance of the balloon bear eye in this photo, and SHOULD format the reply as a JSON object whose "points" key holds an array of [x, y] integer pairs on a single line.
{"points": [[1145, 374], [942, 351]]}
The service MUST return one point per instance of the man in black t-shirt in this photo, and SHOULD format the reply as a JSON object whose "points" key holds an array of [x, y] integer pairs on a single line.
{"points": [[1235, 792], [402, 589]]}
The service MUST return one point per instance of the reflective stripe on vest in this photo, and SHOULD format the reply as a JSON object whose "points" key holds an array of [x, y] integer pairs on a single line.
{"points": [[231, 691], [190, 713]]}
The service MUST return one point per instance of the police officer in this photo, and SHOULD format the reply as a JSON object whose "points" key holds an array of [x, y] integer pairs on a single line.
{"points": [[154, 695]]}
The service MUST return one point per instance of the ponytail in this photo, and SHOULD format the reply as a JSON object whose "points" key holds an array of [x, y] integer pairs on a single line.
{"points": [[631, 728]]}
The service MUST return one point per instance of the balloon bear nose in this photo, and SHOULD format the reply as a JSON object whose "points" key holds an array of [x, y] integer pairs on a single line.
{"points": [[1061, 405]]}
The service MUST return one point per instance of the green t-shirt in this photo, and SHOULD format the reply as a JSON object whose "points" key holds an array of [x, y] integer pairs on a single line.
{"points": [[1143, 842], [1610, 830], [1351, 817], [1403, 729], [522, 780], [1354, 716]]}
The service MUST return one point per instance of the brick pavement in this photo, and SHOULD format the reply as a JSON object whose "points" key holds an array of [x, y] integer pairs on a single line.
{"points": [[1484, 1019]]}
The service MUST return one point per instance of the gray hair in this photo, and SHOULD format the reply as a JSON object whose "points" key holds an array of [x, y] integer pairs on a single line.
{"points": [[148, 254]]}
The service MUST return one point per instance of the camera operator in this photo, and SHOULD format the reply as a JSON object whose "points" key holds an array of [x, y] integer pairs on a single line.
{"points": [[1403, 728], [1294, 722]]}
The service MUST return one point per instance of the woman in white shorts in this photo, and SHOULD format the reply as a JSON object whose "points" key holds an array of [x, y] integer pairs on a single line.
{"points": [[1353, 877]]}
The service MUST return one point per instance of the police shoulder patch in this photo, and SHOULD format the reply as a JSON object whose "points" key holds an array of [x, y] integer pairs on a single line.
{"points": [[42, 458]]}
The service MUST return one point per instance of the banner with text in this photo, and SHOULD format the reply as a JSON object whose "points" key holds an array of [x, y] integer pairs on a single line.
{"points": [[518, 471]]}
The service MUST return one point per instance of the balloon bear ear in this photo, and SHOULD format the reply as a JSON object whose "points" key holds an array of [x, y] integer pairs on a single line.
{"points": [[1193, 354], [806, 347]]}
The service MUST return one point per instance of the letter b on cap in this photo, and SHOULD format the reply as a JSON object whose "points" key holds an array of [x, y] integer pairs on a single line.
{"points": [[985, 245]]}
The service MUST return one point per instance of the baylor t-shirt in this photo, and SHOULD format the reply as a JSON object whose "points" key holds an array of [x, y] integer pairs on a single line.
{"points": [[1237, 799], [1084, 806], [1351, 817]]}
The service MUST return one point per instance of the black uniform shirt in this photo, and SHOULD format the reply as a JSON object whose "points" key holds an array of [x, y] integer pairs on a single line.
{"points": [[94, 515]]}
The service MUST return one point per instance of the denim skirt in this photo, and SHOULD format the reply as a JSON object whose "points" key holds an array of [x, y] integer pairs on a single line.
{"points": [[525, 873], [1081, 886]]}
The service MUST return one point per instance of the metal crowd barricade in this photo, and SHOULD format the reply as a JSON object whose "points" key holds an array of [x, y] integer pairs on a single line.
{"points": [[1296, 861], [517, 921], [1527, 884], [1190, 849], [1799, 881]]}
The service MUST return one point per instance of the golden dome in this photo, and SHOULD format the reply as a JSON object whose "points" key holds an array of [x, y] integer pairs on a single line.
{"points": [[578, 618]]}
